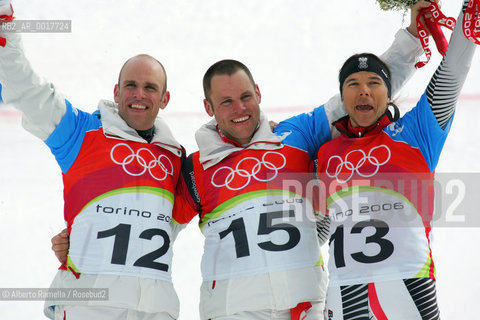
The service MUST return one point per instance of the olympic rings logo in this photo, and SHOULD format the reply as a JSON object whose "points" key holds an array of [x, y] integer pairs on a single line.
{"points": [[352, 164], [159, 168], [240, 173]]}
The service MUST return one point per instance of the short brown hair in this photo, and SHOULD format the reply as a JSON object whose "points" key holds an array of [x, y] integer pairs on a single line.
{"points": [[223, 67]]}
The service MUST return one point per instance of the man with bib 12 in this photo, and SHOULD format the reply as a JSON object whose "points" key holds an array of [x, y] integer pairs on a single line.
{"points": [[378, 176], [120, 167]]}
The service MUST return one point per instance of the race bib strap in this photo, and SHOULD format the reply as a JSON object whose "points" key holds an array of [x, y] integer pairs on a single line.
{"points": [[300, 311], [68, 266], [71, 267]]}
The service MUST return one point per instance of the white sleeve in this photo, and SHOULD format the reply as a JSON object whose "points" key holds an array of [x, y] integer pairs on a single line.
{"points": [[401, 58], [5, 8], [43, 107]]}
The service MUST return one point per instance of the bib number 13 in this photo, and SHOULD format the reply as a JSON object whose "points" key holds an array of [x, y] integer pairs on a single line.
{"points": [[381, 230], [265, 227]]}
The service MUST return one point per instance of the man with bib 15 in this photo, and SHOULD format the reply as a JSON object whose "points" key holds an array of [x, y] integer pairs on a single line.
{"points": [[120, 167]]}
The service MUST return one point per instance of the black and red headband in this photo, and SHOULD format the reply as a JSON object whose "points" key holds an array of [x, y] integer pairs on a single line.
{"points": [[368, 63]]}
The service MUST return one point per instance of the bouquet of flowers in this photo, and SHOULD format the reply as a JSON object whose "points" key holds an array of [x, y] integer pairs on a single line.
{"points": [[432, 26], [396, 4]]}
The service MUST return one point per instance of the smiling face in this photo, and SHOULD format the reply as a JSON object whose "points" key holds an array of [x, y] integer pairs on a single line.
{"points": [[140, 92], [365, 97], [234, 102]]}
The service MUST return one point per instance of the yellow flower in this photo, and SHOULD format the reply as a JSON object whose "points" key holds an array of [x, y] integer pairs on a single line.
{"points": [[396, 4]]}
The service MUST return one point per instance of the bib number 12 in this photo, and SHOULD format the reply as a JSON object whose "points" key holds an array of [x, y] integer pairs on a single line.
{"points": [[121, 233]]}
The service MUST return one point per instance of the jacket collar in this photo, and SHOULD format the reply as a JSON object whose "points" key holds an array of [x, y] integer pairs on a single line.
{"points": [[345, 127], [214, 146], [115, 127]]}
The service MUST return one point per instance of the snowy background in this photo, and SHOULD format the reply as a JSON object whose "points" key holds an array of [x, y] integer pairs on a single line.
{"points": [[294, 50]]}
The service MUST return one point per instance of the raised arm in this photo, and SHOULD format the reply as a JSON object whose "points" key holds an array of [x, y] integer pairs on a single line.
{"points": [[433, 114], [43, 107], [445, 86]]}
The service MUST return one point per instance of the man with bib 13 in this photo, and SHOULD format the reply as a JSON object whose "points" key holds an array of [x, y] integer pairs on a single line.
{"points": [[378, 176]]}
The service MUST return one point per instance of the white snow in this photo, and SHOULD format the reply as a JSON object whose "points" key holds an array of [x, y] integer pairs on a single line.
{"points": [[294, 50]]}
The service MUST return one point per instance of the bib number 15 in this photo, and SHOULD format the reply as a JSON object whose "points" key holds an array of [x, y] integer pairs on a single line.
{"points": [[265, 227]]}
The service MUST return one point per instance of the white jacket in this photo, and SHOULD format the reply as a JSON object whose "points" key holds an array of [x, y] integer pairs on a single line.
{"points": [[43, 108]]}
